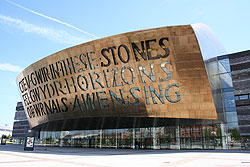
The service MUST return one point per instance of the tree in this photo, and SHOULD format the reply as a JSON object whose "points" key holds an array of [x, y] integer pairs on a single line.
{"points": [[218, 132], [9, 136], [235, 134], [207, 132]]}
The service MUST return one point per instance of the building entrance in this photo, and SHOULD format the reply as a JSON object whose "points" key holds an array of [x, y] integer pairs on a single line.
{"points": [[171, 137]]}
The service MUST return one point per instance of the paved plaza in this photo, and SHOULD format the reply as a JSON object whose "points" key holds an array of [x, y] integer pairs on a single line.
{"points": [[14, 156]]}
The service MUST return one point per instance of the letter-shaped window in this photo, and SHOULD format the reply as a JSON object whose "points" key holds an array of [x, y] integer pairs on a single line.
{"points": [[177, 93]]}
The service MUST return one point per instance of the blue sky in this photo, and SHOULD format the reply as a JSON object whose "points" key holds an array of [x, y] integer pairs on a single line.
{"points": [[33, 29]]}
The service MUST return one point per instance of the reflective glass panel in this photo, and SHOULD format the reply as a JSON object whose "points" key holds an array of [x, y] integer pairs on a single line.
{"points": [[226, 80], [243, 97], [224, 66]]}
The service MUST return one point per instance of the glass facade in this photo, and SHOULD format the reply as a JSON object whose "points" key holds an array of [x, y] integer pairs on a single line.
{"points": [[171, 137], [220, 78]]}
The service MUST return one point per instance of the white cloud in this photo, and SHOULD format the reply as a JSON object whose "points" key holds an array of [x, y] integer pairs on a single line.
{"points": [[60, 36], [51, 18], [10, 67]]}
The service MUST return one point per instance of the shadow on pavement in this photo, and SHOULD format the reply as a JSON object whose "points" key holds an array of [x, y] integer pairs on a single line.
{"points": [[97, 151]]}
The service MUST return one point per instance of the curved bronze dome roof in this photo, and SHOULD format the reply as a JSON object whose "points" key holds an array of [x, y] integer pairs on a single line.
{"points": [[131, 78]]}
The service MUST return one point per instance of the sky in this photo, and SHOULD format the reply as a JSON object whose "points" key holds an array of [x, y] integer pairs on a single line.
{"points": [[33, 29]]}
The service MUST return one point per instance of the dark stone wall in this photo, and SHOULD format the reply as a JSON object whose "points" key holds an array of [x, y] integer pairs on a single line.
{"points": [[21, 124], [240, 67], [20, 129]]}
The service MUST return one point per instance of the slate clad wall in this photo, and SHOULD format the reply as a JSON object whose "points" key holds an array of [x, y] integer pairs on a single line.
{"points": [[240, 67], [21, 124]]}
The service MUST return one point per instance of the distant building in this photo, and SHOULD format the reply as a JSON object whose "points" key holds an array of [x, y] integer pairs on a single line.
{"points": [[21, 124], [5, 130]]}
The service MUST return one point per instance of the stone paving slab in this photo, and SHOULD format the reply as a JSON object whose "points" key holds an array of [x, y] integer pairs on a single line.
{"points": [[15, 156]]}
